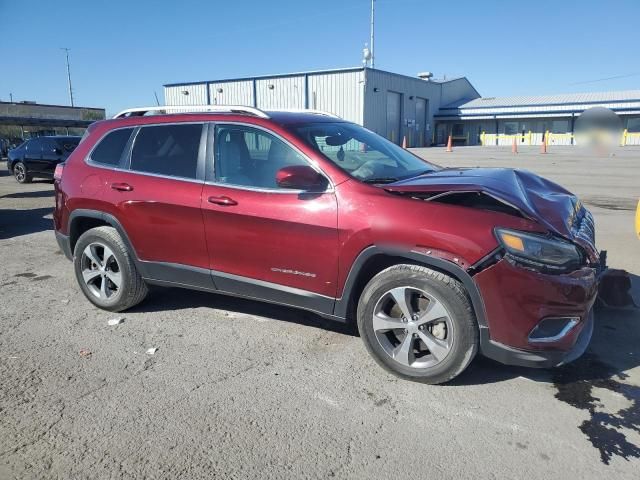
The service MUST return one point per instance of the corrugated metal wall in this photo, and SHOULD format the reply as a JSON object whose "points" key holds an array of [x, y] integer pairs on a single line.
{"points": [[339, 93], [381, 84], [283, 92], [358, 95], [231, 93], [196, 95]]}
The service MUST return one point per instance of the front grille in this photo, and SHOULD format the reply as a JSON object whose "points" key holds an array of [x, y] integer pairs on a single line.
{"points": [[585, 228], [584, 231]]}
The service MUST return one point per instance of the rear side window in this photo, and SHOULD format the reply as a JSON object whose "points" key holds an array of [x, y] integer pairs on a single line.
{"points": [[34, 145], [109, 150], [170, 150]]}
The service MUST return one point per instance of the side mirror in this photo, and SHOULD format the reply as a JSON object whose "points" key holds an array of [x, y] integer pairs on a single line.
{"points": [[300, 177]]}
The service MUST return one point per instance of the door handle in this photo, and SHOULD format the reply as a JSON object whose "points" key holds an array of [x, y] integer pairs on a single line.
{"points": [[223, 200], [122, 187]]}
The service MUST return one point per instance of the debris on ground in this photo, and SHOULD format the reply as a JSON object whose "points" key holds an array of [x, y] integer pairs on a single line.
{"points": [[84, 352], [115, 321], [151, 351]]}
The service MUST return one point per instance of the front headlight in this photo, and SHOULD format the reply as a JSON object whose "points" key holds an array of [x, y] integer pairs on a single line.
{"points": [[539, 252]]}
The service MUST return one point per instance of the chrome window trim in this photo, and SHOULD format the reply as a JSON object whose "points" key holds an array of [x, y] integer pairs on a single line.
{"points": [[129, 149], [210, 163], [89, 161]]}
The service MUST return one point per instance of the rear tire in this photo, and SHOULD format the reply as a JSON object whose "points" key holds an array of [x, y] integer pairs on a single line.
{"points": [[106, 272], [20, 173], [418, 323]]}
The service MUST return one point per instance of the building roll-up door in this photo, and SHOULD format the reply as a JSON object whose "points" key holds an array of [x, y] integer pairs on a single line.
{"points": [[394, 102]]}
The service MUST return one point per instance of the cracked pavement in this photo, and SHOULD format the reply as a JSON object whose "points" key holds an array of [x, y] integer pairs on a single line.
{"points": [[239, 389]]}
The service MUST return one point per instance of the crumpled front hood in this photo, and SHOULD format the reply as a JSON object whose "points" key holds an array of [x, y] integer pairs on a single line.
{"points": [[535, 197]]}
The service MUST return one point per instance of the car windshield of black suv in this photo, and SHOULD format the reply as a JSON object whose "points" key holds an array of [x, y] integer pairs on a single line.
{"points": [[361, 153]]}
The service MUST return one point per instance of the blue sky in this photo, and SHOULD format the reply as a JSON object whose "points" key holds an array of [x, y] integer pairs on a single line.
{"points": [[124, 51]]}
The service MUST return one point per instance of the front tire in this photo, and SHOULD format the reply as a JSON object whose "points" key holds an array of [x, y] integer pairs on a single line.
{"points": [[106, 272], [418, 323], [20, 173]]}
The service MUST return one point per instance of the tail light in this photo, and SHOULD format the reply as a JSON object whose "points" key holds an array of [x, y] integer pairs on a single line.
{"points": [[57, 173]]}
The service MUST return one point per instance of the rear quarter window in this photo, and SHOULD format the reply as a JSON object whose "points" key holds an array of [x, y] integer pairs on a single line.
{"points": [[109, 149]]}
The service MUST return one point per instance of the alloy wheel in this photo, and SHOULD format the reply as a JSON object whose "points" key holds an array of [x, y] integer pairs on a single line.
{"points": [[413, 327], [19, 172], [101, 271]]}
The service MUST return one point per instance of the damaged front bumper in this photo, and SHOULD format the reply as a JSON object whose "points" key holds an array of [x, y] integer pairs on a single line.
{"points": [[536, 319]]}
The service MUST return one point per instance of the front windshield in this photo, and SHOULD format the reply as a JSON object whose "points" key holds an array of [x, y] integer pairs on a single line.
{"points": [[362, 153]]}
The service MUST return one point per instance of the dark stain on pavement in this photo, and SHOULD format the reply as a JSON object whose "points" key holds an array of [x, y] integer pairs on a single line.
{"points": [[612, 203], [576, 382], [26, 275]]}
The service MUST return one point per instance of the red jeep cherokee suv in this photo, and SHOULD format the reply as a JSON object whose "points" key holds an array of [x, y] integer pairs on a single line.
{"points": [[301, 208]]}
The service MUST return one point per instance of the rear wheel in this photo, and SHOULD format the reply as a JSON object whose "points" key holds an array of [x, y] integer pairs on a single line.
{"points": [[106, 271], [20, 173], [418, 323]]}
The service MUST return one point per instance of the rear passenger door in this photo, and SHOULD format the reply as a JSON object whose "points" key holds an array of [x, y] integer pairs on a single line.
{"points": [[51, 155], [33, 154], [155, 193]]}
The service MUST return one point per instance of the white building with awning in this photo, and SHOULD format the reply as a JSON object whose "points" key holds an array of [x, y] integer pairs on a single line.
{"points": [[498, 120]]}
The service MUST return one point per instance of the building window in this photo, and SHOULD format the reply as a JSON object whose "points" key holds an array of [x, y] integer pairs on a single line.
{"points": [[633, 125], [457, 130], [560, 126], [510, 128]]}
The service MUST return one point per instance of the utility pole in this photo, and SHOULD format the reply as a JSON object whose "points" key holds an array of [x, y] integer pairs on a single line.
{"points": [[69, 76], [373, 2]]}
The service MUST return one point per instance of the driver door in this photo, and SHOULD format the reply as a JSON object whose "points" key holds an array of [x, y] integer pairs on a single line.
{"points": [[265, 241]]}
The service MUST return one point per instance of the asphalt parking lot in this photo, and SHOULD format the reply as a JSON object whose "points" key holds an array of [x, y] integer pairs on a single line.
{"points": [[239, 389]]}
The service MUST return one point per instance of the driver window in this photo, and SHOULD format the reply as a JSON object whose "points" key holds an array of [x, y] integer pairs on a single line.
{"points": [[250, 157]]}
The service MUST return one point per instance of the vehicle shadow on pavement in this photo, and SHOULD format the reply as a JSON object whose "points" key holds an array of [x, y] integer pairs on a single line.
{"points": [[14, 223], [615, 339], [34, 194], [162, 299]]}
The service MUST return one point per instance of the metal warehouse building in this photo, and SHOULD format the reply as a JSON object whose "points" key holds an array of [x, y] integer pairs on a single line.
{"points": [[395, 106], [421, 110]]}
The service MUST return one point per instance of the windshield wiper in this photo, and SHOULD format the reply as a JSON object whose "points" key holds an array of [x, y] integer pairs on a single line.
{"points": [[381, 180]]}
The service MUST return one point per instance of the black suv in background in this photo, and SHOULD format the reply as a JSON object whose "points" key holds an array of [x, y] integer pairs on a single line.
{"points": [[39, 156]]}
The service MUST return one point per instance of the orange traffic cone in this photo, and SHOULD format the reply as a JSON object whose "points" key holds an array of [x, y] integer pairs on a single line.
{"points": [[543, 147], [404, 142], [450, 144], [514, 146]]}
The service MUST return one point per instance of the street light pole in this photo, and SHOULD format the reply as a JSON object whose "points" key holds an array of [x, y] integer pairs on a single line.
{"points": [[69, 76]]}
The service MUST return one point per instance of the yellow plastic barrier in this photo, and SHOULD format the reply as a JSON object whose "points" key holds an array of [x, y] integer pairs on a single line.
{"points": [[638, 220], [492, 138], [626, 135]]}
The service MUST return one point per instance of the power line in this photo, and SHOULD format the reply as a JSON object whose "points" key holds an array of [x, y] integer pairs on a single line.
{"points": [[606, 79]]}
